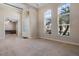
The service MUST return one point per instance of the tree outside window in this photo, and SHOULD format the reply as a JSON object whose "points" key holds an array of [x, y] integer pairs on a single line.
{"points": [[47, 21], [64, 19]]}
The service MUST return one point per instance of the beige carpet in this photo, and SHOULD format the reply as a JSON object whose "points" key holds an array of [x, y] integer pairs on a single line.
{"points": [[35, 47]]}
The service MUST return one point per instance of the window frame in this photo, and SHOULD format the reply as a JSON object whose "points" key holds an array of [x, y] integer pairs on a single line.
{"points": [[46, 12], [65, 14]]}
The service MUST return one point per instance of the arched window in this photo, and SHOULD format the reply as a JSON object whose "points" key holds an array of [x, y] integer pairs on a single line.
{"points": [[47, 21], [64, 19]]}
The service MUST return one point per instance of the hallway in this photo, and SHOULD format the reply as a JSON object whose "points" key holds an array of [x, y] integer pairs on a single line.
{"points": [[35, 47]]}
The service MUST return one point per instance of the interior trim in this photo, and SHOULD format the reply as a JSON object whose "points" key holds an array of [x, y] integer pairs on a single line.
{"points": [[13, 6], [72, 43]]}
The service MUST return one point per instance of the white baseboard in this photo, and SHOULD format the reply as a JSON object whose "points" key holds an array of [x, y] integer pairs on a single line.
{"points": [[73, 43], [34, 37]]}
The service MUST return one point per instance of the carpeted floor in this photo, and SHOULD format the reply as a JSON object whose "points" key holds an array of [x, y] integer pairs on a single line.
{"points": [[13, 46]]}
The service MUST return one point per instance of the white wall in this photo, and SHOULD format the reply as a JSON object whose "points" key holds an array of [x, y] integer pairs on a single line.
{"points": [[74, 23], [33, 22], [25, 24], [30, 21], [1, 26]]}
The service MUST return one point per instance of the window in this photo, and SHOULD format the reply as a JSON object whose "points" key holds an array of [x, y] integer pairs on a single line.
{"points": [[64, 19], [47, 21]]}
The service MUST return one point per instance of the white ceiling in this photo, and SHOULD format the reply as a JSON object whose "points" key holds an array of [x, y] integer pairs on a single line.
{"points": [[36, 5]]}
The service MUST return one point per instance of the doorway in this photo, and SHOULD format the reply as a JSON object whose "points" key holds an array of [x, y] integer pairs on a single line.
{"points": [[10, 28], [12, 22]]}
